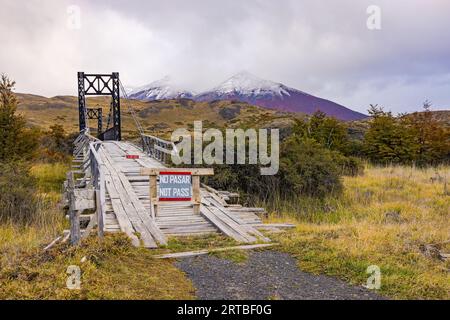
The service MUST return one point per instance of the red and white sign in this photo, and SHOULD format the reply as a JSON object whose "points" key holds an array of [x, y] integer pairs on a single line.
{"points": [[175, 186]]}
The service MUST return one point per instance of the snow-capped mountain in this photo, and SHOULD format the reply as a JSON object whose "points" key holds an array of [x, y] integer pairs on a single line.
{"points": [[159, 90], [245, 84], [251, 89], [246, 87]]}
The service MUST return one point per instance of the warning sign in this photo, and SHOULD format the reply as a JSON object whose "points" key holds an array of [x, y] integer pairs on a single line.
{"points": [[175, 186]]}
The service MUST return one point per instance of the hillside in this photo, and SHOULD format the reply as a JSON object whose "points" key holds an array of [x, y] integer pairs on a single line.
{"points": [[158, 117], [248, 88]]}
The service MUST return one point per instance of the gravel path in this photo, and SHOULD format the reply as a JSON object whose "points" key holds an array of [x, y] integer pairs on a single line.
{"points": [[266, 275]]}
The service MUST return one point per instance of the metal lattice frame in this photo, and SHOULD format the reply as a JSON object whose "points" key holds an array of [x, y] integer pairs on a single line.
{"points": [[100, 85], [96, 114]]}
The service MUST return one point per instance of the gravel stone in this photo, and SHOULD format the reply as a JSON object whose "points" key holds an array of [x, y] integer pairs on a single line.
{"points": [[266, 275]]}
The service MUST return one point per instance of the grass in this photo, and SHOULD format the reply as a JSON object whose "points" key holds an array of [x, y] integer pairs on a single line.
{"points": [[50, 176], [111, 269], [236, 256], [48, 221], [384, 218], [192, 243]]}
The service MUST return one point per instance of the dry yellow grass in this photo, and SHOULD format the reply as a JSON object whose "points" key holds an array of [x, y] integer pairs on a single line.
{"points": [[384, 218], [48, 221], [112, 269], [156, 117]]}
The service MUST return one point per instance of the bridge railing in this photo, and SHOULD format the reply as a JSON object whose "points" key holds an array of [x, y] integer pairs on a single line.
{"points": [[98, 183], [157, 148], [90, 192]]}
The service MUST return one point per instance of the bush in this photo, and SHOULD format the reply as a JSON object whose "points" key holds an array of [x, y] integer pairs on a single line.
{"points": [[349, 166], [18, 202], [308, 168], [56, 145]]}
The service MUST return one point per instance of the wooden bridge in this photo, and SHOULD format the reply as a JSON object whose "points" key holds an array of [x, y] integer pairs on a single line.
{"points": [[108, 189], [114, 184]]}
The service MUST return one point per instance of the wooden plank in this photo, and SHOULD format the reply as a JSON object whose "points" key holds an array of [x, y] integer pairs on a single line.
{"points": [[216, 221], [139, 207], [124, 222], [206, 251], [51, 244], [116, 203], [274, 225], [125, 210], [243, 229], [84, 199], [246, 228], [248, 209]]}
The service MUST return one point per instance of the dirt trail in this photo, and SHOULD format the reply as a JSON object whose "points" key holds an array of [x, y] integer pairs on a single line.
{"points": [[266, 275]]}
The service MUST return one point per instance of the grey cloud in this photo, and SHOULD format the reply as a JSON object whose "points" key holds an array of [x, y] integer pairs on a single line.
{"points": [[321, 47]]}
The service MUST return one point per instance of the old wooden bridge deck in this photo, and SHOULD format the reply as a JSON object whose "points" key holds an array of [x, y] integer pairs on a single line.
{"points": [[112, 184]]}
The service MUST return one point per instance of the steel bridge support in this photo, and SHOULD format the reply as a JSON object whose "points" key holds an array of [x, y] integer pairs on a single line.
{"points": [[100, 85], [96, 114]]}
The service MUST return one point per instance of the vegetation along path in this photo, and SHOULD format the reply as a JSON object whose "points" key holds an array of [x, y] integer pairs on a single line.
{"points": [[263, 275]]}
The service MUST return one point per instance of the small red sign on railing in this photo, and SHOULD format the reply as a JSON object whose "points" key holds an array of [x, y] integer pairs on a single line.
{"points": [[132, 156]]}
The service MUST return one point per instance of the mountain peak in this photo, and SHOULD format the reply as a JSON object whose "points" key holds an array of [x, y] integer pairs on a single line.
{"points": [[160, 89], [247, 83], [246, 87]]}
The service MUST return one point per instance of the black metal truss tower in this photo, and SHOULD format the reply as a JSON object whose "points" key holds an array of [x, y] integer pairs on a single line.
{"points": [[100, 85], [96, 114]]}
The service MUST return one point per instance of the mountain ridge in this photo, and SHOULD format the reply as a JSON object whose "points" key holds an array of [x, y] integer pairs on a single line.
{"points": [[246, 87], [162, 89]]}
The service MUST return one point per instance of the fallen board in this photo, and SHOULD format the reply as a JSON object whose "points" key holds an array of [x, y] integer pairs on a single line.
{"points": [[207, 251]]}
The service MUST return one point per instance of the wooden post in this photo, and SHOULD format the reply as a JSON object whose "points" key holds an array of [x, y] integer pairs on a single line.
{"points": [[196, 193], [99, 213], [74, 215], [153, 196], [75, 233]]}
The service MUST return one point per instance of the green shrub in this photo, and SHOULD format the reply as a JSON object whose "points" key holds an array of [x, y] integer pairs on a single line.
{"points": [[308, 168], [16, 141], [18, 203], [349, 166], [55, 145]]}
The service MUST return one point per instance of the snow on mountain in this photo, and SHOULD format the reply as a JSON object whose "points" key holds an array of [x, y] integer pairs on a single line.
{"points": [[159, 90], [245, 83], [248, 88]]}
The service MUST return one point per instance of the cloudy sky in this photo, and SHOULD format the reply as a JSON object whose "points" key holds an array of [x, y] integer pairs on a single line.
{"points": [[322, 47]]}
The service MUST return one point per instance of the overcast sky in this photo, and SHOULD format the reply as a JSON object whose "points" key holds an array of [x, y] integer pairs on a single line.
{"points": [[321, 47]]}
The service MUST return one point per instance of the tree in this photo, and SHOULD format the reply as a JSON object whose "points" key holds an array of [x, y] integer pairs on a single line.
{"points": [[327, 131], [16, 141], [432, 139], [386, 140], [308, 168]]}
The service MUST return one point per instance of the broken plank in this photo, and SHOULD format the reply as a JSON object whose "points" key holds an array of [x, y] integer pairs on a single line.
{"points": [[206, 251]]}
